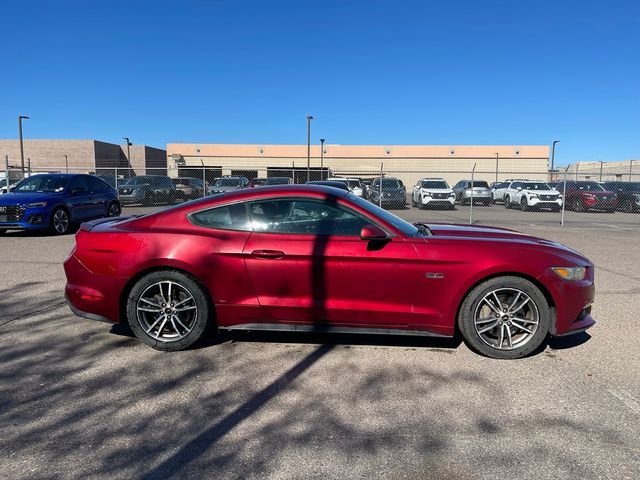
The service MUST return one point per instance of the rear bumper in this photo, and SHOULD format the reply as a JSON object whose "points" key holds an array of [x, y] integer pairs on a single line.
{"points": [[92, 295]]}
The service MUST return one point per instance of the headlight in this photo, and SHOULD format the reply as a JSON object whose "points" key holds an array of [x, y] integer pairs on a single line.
{"points": [[37, 205], [570, 273], [426, 194], [533, 195]]}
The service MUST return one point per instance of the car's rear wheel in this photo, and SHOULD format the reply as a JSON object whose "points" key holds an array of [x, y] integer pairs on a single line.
{"points": [[507, 202], [59, 223], [168, 310], [114, 210], [578, 206], [505, 317]]}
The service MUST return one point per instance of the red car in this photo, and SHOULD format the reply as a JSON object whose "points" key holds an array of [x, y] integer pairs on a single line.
{"points": [[313, 258], [582, 196]]}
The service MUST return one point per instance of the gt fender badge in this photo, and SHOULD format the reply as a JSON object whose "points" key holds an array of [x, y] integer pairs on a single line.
{"points": [[435, 275]]}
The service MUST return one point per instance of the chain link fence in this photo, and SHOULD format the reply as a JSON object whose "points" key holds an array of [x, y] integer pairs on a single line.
{"points": [[568, 196]]}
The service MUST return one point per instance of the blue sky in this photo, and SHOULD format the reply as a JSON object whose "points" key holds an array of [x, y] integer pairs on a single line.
{"points": [[371, 72]]}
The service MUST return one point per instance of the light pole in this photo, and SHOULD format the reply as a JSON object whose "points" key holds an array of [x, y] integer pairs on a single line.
{"points": [[601, 163], [553, 156], [309, 118], [630, 167], [20, 118], [497, 161], [66, 163], [322, 159]]}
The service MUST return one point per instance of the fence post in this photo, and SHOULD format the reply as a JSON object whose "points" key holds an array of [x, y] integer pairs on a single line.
{"points": [[204, 182], [380, 184], [630, 167], [473, 173], [293, 172], [564, 195], [115, 178]]}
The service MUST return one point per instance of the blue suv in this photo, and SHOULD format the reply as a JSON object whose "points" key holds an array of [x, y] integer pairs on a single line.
{"points": [[55, 201]]}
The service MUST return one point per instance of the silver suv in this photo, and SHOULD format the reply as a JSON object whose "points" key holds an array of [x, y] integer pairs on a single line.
{"points": [[481, 192]]}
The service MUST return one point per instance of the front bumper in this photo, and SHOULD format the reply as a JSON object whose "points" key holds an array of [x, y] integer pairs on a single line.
{"points": [[21, 218], [428, 200], [573, 300], [135, 197], [539, 203]]}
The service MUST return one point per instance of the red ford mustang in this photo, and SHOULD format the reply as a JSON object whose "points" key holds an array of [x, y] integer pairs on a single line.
{"points": [[310, 258]]}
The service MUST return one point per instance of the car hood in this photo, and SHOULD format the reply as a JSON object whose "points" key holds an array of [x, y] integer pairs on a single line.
{"points": [[500, 235], [542, 192], [436, 190], [24, 198]]}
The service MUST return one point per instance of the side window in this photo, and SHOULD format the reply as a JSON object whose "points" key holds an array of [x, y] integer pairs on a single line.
{"points": [[96, 185], [79, 182], [516, 185], [458, 185], [310, 217], [228, 217]]}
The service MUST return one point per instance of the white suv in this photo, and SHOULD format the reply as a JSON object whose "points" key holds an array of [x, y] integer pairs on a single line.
{"points": [[532, 194], [433, 192]]}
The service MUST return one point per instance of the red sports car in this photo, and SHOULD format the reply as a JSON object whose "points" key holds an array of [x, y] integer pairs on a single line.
{"points": [[312, 258]]}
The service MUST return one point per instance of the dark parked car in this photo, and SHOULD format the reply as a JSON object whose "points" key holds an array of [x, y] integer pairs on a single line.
{"points": [[55, 201], [582, 196], [277, 181], [257, 182], [388, 192], [147, 189], [628, 195], [189, 188], [228, 183], [330, 183], [305, 258]]}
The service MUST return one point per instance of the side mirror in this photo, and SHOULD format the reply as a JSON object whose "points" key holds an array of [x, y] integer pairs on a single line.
{"points": [[77, 190], [373, 232]]}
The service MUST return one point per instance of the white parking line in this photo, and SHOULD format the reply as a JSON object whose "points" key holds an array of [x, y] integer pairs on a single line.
{"points": [[625, 397]]}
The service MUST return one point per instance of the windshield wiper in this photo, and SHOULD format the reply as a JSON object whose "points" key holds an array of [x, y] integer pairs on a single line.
{"points": [[423, 229]]}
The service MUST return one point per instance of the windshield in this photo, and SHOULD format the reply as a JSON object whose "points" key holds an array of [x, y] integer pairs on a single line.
{"points": [[387, 183], [434, 184], [354, 184], [135, 181], [43, 183], [402, 225], [227, 182], [590, 186], [536, 186], [278, 181]]}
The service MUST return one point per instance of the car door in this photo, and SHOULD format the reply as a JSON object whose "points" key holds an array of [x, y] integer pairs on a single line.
{"points": [[308, 265], [99, 198], [79, 198]]}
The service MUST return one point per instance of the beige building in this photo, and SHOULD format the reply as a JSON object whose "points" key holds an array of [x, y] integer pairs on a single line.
{"points": [[605, 171], [407, 162]]}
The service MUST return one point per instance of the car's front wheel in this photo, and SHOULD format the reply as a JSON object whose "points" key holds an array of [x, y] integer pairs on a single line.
{"points": [[168, 310], [60, 222], [505, 317], [114, 210]]}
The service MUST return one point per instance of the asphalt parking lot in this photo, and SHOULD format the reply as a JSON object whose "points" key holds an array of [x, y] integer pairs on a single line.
{"points": [[84, 399]]}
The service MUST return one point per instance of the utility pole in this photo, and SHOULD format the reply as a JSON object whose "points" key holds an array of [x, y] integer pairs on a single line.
{"points": [[20, 118], [309, 118]]}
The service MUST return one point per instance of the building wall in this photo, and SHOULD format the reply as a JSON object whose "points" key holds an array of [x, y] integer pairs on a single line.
{"points": [[83, 156], [623, 170], [407, 162]]}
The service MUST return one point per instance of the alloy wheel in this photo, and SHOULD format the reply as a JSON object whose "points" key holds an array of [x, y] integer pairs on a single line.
{"points": [[167, 311], [60, 221], [506, 318], [114, 210]]}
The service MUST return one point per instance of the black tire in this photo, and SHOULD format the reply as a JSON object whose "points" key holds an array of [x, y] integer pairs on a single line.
{"points": [[472, 304], [413, 202], [200, 319], [577, 205], [627, 205], [524, 206], [507, 202], [60, 222], [114, 210], [2, 231]]}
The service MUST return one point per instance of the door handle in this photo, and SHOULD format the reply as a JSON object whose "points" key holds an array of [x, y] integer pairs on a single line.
{"points": [[273, 254]]}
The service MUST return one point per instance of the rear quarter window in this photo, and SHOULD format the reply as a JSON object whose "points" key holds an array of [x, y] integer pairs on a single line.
{"points": [[227, 217]]}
